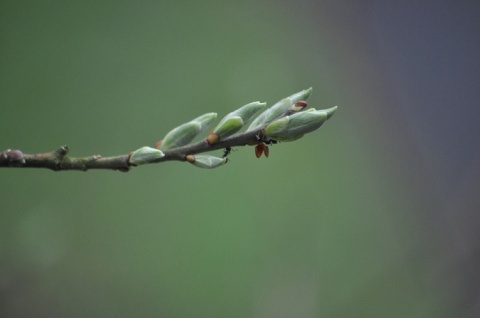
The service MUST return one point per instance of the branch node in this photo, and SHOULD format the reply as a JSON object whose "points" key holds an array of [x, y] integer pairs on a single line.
{"points": [[15, 157]]}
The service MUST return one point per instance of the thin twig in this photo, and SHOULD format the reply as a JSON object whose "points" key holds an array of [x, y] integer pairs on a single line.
{"points": [[58, 160]]}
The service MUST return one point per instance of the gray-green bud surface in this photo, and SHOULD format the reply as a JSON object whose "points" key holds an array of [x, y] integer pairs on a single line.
{"points": [[293, 127], [279, 109], [144, 155], [184, 134], [208, 162], [234, 121]]}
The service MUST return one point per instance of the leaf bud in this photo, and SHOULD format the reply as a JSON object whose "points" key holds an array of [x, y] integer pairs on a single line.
{"points": [[184, 134], [295, 126], [228, 126], [234, 121], [144, 155], [206, 161], [280, 108], [270, 114], [301, 96]]}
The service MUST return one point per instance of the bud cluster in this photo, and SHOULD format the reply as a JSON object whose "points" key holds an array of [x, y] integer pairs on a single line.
{"points": [[287, 120]]}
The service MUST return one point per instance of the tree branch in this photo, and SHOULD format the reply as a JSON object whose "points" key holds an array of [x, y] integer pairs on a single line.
{"points": [[58, 160], [284, 121]]}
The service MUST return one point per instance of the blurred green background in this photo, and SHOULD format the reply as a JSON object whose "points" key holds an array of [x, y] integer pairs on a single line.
{"points": [[373, 215]]}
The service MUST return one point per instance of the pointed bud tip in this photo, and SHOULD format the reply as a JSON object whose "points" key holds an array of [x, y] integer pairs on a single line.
{"points": [[302, 95], [308, 91], [330, 111], [206, 119]]}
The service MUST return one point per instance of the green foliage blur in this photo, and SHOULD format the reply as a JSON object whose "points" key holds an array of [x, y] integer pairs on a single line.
{"points": [[331, 225]]}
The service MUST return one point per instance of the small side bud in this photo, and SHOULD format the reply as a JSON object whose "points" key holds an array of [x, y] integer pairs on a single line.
{"points": [[144, 155], [206, 161], [15, 158]]}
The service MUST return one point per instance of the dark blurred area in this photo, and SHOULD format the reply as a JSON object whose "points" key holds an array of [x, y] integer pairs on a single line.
{"points": [[374, 215]]}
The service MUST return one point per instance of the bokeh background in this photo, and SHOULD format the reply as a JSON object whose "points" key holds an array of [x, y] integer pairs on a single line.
{"points": [[374, 215]]}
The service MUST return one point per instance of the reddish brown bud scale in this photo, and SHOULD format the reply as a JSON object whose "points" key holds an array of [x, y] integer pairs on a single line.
{"points": [[159, 144], [258, 150], [261, 148], [301, 104], [213, 138], [190, 158]]}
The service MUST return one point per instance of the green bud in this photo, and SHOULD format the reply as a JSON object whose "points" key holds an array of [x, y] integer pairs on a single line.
{"points": [[228, 126], [277, 126], [184, 134], [279, 109], [206, 119], [303, 95], [208, 162], [246, 112], [235, 120], [295, 126], [144, 155], [303, 123], [270, 114], [288, 139]]}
